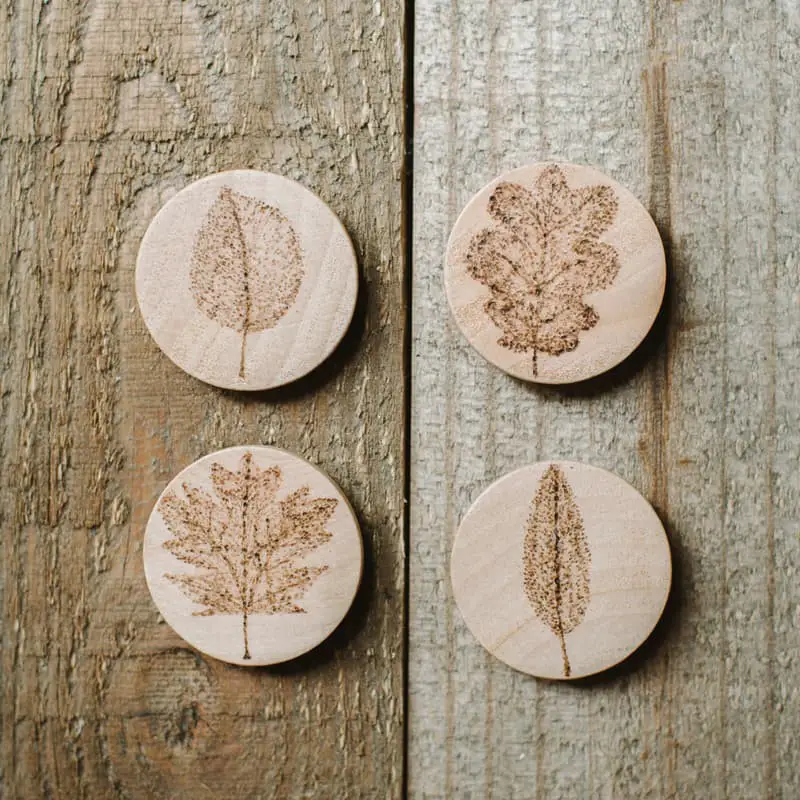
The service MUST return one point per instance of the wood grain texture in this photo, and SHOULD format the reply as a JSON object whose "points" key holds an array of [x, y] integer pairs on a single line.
{"points": [[695, 107], [108, 108]]}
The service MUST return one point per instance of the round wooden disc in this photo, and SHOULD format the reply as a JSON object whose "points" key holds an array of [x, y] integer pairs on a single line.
{"points": [[252, 555], [555, 272], [561, 570], [246, 280]]}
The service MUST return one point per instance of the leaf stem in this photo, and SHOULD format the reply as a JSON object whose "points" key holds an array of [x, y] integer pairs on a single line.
{"points": [[564, 656], [245, 284], [557, 559], [241, 359], [245, 589], [246, 639]]}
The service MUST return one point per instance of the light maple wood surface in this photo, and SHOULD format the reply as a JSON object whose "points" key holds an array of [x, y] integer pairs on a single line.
{"points": [[259, 530], [695, 107], [560, 570], [108, 109], [565, 228], [246, 280]]}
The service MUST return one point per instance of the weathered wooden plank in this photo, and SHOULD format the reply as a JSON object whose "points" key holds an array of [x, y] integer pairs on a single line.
{"points": [[109, 107], [695, 108]]}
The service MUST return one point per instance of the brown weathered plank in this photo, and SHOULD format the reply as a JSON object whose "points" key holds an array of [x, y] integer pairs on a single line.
{"points": [[108, 107], [696, 108]]}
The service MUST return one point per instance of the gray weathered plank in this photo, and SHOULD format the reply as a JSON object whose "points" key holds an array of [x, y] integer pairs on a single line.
{"points": [[109, 107], [695, 107]]}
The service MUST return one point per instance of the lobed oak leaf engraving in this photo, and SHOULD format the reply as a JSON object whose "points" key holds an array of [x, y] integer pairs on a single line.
{"points": [[542, 256], [246, 265], [248, 542], [556, 559]]}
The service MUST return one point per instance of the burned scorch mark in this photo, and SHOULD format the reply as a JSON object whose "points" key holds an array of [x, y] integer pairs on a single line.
{"points": [[540, 258], [246, 266], [556, 559], [246, 543]]}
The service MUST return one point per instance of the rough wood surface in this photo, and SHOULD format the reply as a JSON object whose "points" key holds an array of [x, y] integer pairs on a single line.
{"points": [[696, 107], [107, 108]]}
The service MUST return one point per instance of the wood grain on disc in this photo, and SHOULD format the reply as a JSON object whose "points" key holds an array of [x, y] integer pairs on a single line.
{"points": [[561, 570], [246, 280], [252, 555], [555, 272]]}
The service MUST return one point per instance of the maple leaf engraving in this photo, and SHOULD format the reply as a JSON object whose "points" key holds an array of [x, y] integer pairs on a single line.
{"points": [[246, 265], [247, 543], [556, 558], [540, 259]]}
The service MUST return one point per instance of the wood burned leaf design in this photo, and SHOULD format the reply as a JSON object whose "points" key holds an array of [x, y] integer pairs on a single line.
{"points": [[246, 265], [247, 543], [556, 559], [541, 258]]}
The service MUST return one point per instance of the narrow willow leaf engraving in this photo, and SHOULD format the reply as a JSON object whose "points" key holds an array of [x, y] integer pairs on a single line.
{"points": [[556, 559], [246, 265], [540, 259], [246, 543]]}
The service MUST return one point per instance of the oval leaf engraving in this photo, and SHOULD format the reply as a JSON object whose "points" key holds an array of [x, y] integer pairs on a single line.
{"points": [[556, 558], [246, 265]]}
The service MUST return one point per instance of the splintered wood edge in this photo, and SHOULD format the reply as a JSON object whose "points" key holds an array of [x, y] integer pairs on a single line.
{"points": [[158, 561], [192, 321], [618, 316], [497, 551]]}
